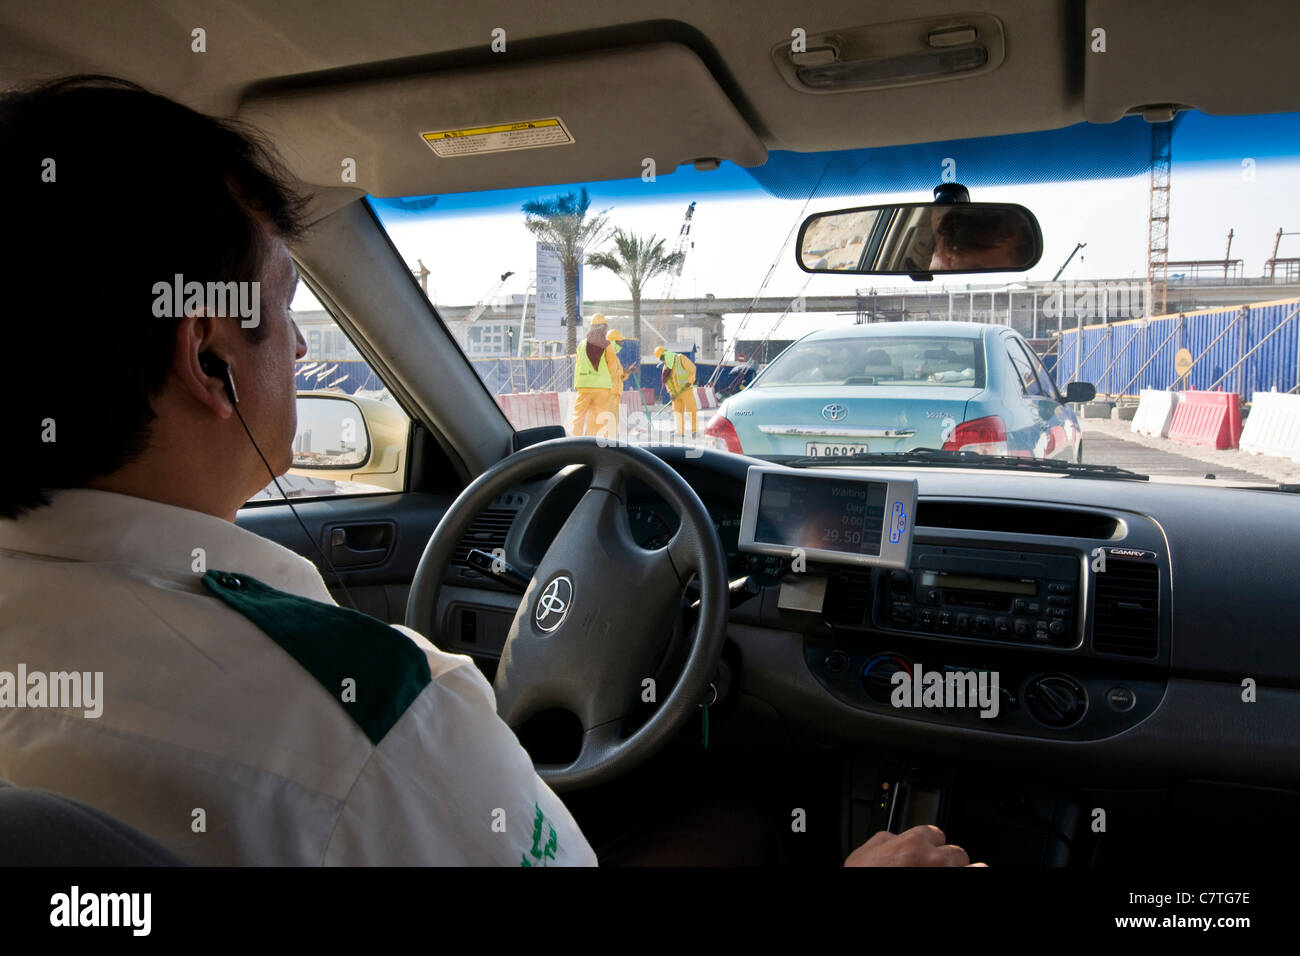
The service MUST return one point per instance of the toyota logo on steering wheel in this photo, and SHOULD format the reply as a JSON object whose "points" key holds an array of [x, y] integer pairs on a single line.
{"points": [[554, 603]]}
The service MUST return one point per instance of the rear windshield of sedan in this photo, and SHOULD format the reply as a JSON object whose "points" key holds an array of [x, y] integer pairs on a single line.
{"points": [[879, 360]]}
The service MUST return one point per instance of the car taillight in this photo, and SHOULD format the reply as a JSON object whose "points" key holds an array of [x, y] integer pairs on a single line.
{"points": [[720, 427], [1055, 439], [986, 436]]}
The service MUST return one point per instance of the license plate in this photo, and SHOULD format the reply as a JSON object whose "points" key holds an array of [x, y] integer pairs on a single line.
{"points": [[821, 449]]}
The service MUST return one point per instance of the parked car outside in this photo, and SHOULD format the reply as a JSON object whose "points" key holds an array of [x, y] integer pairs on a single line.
{"points": [[900, 386]]}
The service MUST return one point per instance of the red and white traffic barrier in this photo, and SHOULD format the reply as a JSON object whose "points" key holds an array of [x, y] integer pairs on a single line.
{"points": [[531, 409], [630, 401], [1207, 419]]}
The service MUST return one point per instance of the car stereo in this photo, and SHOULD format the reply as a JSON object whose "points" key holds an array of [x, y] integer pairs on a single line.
{"points": [[840, 517], [1015, 596]]}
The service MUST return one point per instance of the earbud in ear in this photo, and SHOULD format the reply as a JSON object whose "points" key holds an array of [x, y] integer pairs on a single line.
{"points": [[217, 367]]}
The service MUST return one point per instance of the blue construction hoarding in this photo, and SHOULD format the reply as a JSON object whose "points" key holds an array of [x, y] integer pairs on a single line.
{"points": [[1244, 349]]}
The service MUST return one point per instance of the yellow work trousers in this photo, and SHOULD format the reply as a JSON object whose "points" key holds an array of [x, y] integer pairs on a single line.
{"points": [[591, 413], [614, 397], [685, 402]]}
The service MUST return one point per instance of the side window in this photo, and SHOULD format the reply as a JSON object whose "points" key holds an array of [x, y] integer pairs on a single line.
{"points": [[352, 435], [1046, 386], [1024, 370]]}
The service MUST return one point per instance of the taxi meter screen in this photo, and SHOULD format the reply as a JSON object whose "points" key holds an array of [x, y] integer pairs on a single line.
{"points": [[797, 511]]}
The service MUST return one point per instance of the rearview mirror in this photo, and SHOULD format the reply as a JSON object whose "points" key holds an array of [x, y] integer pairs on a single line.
{"points": [[921, 240]]}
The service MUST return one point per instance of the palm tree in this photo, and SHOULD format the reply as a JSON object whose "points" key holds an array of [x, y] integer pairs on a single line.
{"points": [[636, 262], [562, 222]]}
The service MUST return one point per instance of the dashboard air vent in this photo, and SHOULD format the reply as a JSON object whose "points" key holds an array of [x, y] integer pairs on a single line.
{"points": [[1013, 519], [488, 531], [1126, 618], [848, 597]]}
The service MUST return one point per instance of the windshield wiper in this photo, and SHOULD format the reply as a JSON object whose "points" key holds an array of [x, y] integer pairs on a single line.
{"points": [[966, 459]]}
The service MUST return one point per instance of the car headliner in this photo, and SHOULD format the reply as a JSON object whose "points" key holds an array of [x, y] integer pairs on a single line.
{"points": [[326, 85]]}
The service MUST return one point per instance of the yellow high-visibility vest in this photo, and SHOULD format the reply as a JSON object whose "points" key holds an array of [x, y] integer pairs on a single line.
{"points": [[681, 370], [585, 376]]}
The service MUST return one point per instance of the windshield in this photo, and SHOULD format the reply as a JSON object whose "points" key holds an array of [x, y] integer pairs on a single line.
{"points": [[672, 307]]}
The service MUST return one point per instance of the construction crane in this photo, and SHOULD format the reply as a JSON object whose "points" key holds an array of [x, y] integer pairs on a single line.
{"points": [[683, 246], [1162, 120], [482, 305], [423, 274], [1078, 246]]}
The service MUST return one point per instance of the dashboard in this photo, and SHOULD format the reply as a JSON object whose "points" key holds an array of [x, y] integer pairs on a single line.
{"points": [[1122, 620]]}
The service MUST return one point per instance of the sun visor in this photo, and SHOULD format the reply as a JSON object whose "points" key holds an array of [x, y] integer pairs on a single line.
{"points": [[1222, 59], [578, 118]]}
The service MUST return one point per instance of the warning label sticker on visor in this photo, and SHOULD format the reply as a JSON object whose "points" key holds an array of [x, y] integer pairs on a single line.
{"points": [[530, 134]]}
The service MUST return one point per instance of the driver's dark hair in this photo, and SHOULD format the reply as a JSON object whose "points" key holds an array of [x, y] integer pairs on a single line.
{"points": [[110, 189], [975, 229]]}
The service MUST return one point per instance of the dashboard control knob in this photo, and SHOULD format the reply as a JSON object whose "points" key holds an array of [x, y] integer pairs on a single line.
{"points": [[877, 676], [1055, 700], [1121, 699]]}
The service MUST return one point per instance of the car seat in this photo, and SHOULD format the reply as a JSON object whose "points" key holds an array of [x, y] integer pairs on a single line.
{"points": [[878, 364], [39, 828]]}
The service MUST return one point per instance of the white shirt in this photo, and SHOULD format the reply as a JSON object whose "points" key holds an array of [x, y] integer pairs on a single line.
{"points": [[215, 741]]}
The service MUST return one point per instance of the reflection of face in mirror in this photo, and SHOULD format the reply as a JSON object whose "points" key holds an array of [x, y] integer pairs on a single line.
{"points": [[979, 238]]}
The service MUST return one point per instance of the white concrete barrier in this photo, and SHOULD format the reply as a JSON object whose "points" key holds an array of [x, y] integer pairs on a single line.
{"points": [[1154, 413], [1273, 426]]}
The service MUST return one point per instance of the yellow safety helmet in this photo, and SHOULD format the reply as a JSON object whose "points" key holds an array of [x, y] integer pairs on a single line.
{"points": [[659, 351], [614, 335], [599, 319]]}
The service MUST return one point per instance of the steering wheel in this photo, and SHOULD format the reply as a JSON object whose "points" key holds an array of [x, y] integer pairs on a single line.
{"points": [[598, 608]]}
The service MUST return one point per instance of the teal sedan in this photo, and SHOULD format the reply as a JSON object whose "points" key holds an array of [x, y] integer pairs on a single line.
{"points": [[900, 386]]}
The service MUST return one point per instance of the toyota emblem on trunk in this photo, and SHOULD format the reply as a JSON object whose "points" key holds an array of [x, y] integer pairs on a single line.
{"points": [[835, 412], [554, 603]]}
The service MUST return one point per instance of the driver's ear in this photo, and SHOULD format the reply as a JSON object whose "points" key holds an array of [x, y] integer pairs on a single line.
{"points": [[196, 336]]}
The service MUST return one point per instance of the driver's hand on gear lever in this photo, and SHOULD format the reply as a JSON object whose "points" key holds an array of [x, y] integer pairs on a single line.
{"points": [[919, 846]]}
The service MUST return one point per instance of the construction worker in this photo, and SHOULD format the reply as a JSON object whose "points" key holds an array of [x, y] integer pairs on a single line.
{"points": [[617, 374], [592, 380], [679, 381]]}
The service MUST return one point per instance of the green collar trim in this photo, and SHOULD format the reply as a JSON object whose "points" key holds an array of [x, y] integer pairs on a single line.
{"points": [[372, 670]]}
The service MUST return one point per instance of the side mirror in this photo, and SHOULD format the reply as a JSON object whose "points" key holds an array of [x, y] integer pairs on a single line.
{"points": [[353, 439], [921, 240], [331, 435], [1077, 393]]}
